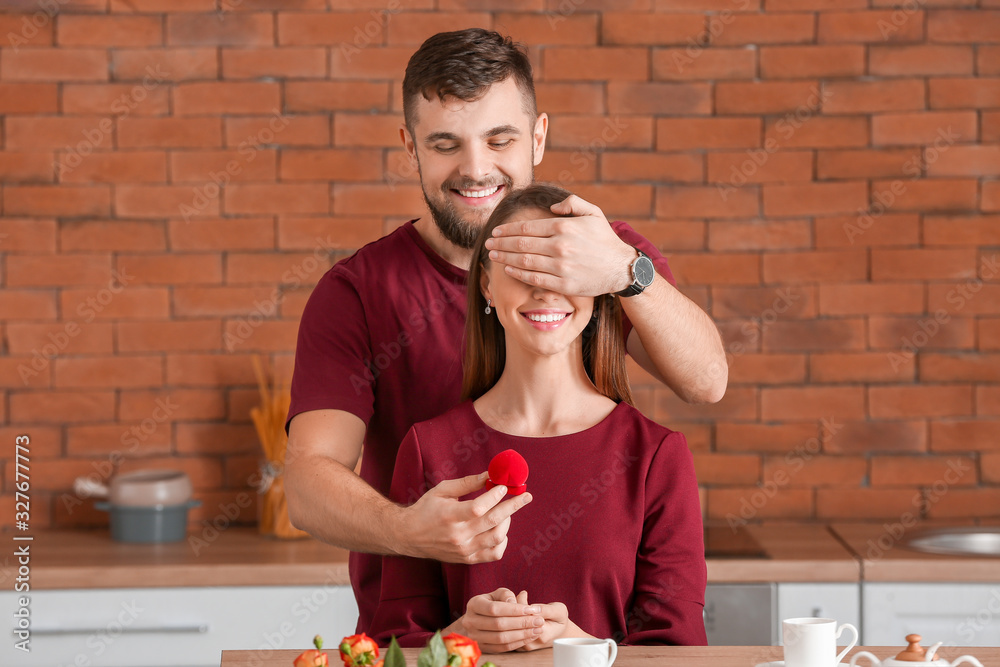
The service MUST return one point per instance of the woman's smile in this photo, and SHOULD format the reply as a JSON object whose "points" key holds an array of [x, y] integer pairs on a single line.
{"points": [[546, 319]]}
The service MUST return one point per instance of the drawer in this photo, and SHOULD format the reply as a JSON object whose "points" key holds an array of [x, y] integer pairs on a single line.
{"points": [[169, 627]]}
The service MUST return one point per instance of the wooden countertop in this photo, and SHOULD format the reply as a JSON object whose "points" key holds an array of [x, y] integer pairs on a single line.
{"points": [[884, 558], [238, 556], [628, 656]]}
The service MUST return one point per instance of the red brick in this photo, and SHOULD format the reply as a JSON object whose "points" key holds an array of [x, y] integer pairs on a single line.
{"points": [[939, 194], [759, 235], [70, 337], [618, 201], [26, 29], [726, 469], [116, 167], [117, 99], [307, 232], [964, 93], [739, 403], [991, 196], [203, 98], [205, 301], [868, 163], [987, 61], [919, 401], [873, 96], [28, 304], [871, 299], [659, 98], [651, 167], [963, 26], [415, 27], [805, 469], [923, 264], [960, 297], [919, 60], [579, 29], [273, 268], [692, 201], [222, 234], [989, 465], [277, 198], [865, 367], [362, 199], [325, 96], [966, 435], [61, 407], [761, 28], [716, 63], [169, 132], [63, 200], [207, 439], [704, 133], [231, 165], [840, 403], [875, 436], [238, 29], [654, 29], [41, 271], [867, 229], [962, 504], [944, 367], [798, 62], [923, 470], [736, 504], [105, 31], [939, 128], [617, 63], [251, 132], [569, 98], [597, 133], [172, 268], [29, 98], [867, 503], [989, 339], [966, 161], [816, 266], [46, 441], [766, 97], [162, 201], [373, 63], [28, 235], [55, 65], [169, 336], [293, 63], [764, 437], [180, 404], [110, 235], [27, 372], [41, 132], [673, 234], [767, 369], [274, 336], [814, 198], [810, 5], [166, 64], [352, 129], [130, 303], [793, 131], [774, 166], [871, 26], [820, 334], [96, 439], [209, 370], [165, 5]]}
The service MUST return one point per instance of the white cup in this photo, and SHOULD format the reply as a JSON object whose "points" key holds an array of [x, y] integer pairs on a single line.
{"points": [[812, 642], [584, 652]]}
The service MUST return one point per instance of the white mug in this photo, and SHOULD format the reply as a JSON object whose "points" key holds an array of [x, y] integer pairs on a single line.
{"points": [[812, 642], [584, 652]]}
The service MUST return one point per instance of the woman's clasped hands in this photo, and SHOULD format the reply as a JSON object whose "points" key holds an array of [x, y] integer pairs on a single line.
{"points": [[501, 621]]}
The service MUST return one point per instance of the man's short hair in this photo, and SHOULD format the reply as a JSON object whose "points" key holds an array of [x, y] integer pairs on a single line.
{"points": [[464, 64]]}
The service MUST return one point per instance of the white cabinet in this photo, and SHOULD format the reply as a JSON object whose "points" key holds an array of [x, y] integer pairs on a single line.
{"points": [[956, 614], [160, 627], [839, 601]]}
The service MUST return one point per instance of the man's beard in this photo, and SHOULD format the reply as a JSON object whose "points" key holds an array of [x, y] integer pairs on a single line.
{"points": [[462, 233]]}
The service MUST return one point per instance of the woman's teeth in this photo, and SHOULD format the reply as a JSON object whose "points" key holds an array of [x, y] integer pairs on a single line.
{"points": [[479, 193], [547, 318]]}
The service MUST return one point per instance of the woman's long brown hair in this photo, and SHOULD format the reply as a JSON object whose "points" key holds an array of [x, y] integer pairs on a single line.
{"points": [[485, 344]]}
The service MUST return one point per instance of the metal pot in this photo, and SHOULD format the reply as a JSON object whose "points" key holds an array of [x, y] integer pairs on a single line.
{"points": [[141, 488]]}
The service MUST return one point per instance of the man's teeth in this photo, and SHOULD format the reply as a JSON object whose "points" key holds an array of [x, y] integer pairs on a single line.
{"points": [[479, 193], [547, 318]]}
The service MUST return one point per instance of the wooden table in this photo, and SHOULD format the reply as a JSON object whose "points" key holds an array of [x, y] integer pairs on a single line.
{"points": [[628, 656]]}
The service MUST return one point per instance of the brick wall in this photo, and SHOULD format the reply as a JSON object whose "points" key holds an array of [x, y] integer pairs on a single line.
{"points": [[822, 174]]}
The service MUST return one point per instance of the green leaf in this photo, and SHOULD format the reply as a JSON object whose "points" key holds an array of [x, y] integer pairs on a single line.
{"points": [[394, 655], [434, 654]]}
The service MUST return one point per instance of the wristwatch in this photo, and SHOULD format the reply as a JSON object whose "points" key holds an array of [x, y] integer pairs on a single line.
{"points": [[642, 275]]}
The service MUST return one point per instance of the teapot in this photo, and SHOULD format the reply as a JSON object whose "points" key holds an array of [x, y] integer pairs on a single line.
{"points": [[914, 653]]}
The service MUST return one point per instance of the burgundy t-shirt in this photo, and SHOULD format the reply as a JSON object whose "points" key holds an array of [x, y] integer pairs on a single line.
{"points": [[381, 338], [613, 530]]}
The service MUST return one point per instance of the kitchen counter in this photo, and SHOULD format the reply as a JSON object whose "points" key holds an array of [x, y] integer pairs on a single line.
{"points": [[628, 656], [884, 558], [71, 559]]}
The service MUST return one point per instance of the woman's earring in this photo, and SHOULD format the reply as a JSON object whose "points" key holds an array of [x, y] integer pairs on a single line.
{"points": [[488, 309]]}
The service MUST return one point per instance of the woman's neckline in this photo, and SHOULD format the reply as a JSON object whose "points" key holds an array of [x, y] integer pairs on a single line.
{"points": [[475, 414]]}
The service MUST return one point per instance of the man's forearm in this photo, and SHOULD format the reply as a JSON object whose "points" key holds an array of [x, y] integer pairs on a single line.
{"points": [[336, 506], [678, 342]]}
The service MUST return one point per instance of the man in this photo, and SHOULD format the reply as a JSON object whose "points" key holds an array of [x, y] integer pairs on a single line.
{"points": [[380, 346]]}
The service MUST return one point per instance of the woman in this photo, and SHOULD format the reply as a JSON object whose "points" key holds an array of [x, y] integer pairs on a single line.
{"points": [[612, 540]]}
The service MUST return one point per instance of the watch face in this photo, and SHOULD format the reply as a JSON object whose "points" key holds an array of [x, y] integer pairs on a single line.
{"points": [[644, 271]]}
